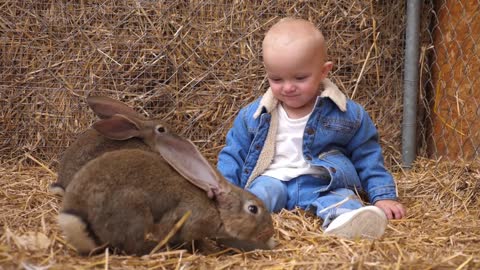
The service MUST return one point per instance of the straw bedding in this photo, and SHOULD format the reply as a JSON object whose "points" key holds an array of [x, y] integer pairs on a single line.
{"points": [[441, 231], [195, 63]]}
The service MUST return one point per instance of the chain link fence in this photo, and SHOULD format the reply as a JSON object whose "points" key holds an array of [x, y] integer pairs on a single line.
{"points": [[196, 63], [449, 114]]}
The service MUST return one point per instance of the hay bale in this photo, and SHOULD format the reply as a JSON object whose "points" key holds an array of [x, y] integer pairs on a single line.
{"points": [[195, 63]]}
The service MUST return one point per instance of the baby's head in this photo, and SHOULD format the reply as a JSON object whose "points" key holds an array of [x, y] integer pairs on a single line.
{"points": [[296, 36], [295, 59]]}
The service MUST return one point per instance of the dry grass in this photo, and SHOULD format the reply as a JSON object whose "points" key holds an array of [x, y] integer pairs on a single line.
{"points": [[195, 63], [441, 230]]}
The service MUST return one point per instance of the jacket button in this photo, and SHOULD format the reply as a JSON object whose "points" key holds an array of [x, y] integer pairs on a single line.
{"points": [[308, 157], [333, 169], [257, 147], [310, 131], [246, 171]]}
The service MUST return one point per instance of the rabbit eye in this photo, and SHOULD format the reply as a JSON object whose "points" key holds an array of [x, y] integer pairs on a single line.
{"points": [[253, 209], [160, 129]]}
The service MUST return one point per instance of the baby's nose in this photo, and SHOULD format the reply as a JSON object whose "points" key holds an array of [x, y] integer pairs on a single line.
{"points": [[289, 87]]}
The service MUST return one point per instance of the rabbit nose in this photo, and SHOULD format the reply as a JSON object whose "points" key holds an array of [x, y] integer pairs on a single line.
{"points": [[266, 235], [271, 243]]}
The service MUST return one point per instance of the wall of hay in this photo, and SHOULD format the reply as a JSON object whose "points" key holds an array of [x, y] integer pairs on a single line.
{"points": [[194, 63]]}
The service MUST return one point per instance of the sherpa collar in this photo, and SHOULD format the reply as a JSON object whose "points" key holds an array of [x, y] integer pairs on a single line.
{"points": [[330, 90]]}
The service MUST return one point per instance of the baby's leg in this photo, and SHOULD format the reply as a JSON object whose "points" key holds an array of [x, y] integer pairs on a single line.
{"points": [[344, 215], [271, 191], [331, 204]]}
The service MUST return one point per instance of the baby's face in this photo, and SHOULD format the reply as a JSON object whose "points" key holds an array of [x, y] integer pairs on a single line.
{"points": [[294, 55], [295, 72]]}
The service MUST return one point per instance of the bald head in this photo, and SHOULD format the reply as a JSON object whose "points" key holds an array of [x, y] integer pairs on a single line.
{"points": [[291, 32]]}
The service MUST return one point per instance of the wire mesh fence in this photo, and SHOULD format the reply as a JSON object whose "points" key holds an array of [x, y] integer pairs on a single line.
{"points": [[449, 116], [195, 63]]}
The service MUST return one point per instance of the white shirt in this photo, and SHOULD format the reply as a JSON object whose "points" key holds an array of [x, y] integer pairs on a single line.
{"points": [[288, 161]]}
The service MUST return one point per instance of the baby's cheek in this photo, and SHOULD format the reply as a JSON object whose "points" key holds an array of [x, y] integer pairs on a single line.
{"points": [[276, 90]]}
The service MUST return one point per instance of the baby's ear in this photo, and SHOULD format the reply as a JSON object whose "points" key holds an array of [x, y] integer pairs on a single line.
{"points": [[327, 66]]}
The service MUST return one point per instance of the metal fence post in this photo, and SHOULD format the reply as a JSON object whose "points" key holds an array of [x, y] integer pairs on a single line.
{"points": [[411, 82]]}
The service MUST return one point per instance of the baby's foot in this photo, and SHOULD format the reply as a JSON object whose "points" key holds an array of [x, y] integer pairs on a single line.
{"points": [[367, 222]]}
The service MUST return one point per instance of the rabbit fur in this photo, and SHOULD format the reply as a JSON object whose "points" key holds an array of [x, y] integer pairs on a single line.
{"points": [[91, 144], [130, 199]]}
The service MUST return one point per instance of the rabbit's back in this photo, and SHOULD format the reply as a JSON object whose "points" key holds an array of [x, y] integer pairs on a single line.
{"points": [[88, 146], [128, 168], [125, 195]]}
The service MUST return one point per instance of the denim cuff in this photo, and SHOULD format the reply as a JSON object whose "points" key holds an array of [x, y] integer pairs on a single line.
{"points": [[382, 193]]}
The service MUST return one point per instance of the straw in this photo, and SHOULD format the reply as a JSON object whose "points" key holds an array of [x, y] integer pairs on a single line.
{"points": [[441, 230]]}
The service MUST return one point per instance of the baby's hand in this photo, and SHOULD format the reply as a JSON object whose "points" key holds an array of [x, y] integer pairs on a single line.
{"points": [[392, 209]]}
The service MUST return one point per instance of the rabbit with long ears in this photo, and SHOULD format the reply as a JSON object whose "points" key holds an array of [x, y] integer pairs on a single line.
{"points": [[131, 199], [91, 144]]}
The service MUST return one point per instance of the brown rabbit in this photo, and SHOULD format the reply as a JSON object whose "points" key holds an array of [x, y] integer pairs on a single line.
{"points": [[91, 144], [130, 199]]}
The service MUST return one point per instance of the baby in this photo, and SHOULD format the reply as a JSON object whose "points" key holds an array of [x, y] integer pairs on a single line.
{"points": [[304, 144]]}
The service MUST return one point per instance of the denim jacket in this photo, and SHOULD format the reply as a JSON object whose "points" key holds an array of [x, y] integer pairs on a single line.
{"points": [[339, 136]]}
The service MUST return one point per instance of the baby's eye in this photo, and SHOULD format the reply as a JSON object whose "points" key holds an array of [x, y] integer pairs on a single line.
{"points": [[301, 78], [275, 79]]}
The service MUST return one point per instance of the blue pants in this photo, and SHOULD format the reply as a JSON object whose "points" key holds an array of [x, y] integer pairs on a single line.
{"points": [[305, 192]]}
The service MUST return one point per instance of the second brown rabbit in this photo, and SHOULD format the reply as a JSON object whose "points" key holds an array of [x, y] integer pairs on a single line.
{"points": [[130, 200], [91, 144]]}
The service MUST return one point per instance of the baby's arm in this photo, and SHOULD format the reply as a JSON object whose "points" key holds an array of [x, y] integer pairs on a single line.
{"points": [[366, 155], [393, 209], [232, 156]]}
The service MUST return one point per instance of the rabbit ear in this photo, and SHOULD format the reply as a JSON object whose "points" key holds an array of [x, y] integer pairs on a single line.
{"points": [[118, 127], [105, 107], [185, 158]]}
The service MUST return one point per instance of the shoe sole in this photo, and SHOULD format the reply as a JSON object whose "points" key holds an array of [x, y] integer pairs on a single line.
{"points": [[369, 223]]}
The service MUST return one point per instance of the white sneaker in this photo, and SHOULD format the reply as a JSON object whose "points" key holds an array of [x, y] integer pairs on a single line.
{"points": [[367, 222]]}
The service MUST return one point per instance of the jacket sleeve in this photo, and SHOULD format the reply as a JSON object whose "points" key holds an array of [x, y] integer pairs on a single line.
{"points": [[232, 157], [367, 157]]}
